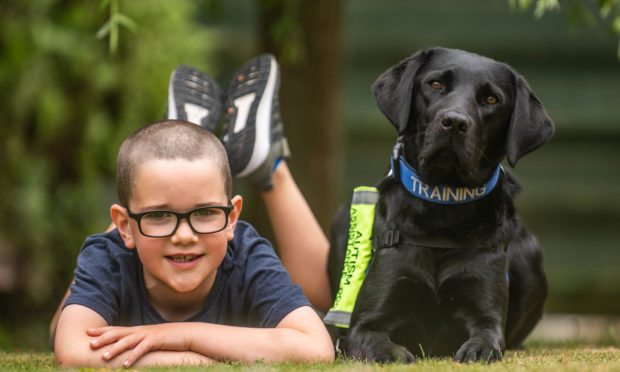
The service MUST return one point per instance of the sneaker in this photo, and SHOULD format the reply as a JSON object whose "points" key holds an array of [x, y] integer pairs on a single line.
{"points": [[195, 97], [253, 134]]}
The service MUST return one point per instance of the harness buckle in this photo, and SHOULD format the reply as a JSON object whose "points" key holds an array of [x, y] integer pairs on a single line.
{"points": [[397, 151], [390, 238]]}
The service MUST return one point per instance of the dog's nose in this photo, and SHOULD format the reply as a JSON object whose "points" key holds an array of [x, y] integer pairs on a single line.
{"points": [[455, 122]]}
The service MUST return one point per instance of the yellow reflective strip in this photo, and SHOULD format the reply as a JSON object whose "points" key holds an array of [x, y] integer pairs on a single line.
{"points": [[359, 251]]}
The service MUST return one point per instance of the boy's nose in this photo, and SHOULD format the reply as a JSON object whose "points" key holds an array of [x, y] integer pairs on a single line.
{"points": [[184, 233]]}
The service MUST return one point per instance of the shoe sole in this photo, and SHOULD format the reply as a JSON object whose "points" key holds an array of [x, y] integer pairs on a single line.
{"points": [[254, 110], [194, 97]]}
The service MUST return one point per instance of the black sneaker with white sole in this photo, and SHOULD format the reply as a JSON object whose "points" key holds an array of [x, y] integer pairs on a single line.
{"points": [[195, 97], [253, 134]]}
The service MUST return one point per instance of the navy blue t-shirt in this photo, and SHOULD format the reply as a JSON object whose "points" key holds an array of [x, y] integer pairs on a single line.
{"points": [[251, 288]]}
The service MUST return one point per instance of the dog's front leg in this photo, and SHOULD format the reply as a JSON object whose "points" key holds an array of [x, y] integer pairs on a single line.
{"points": [[484, 345], [376, 346], [481, 295], [384, 318]]}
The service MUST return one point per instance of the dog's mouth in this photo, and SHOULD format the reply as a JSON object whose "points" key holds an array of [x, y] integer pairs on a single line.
{"points": [[442, 158], [445, 166]]}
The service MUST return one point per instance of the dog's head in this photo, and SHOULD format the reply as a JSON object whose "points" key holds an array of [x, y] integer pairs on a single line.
{"points": [[460, 114]]}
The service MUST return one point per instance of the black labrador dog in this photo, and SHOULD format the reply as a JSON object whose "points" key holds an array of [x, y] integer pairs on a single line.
{"points": [[458, 275]]}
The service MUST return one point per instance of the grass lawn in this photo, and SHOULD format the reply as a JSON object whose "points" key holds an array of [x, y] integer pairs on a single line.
{"points": [[578, 358]]}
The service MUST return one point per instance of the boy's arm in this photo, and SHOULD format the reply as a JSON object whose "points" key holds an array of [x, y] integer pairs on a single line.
{"points": [[54, 321], [73, 345], [300, 336]]}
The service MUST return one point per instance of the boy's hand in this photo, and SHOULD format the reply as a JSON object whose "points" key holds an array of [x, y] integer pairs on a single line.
{"points": [[137, 340]]}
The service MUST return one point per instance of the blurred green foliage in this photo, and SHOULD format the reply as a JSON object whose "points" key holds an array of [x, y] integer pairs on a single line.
{"points": [[67, 104], [579, 11], [541, 7], [112, 26]]}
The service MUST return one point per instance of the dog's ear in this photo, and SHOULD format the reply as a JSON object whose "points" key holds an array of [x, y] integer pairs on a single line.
{"points": [[393, 90], [530, 126]]}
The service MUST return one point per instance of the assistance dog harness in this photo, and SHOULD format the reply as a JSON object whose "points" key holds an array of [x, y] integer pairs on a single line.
{"points": [[362, 215], [357, 257]]}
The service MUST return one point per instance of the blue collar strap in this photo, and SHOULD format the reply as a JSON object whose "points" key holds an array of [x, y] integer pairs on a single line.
{"points": [[441, 194]]}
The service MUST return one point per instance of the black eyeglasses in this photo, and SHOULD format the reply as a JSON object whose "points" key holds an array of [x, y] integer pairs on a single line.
{"points": [[162, 223]]}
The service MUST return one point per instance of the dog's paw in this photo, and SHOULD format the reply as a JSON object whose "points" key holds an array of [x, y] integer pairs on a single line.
{"points": [[377, 347], [475, 350]]}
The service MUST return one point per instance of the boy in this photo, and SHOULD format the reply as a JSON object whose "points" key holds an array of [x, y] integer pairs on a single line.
{"points": [[182, 262]]}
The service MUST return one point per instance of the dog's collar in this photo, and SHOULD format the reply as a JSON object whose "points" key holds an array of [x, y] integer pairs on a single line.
{"points": [[441, 194]]}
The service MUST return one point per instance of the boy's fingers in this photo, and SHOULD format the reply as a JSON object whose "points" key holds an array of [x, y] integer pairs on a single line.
{"points": [[138, 352], [123, 344], [94, 331], [106, 338]]}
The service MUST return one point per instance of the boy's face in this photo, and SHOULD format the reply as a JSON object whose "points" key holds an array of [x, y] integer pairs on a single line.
{"points": [[185, 262]]}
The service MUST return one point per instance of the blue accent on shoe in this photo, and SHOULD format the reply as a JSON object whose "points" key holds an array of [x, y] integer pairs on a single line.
{"points": [[276, 163]]}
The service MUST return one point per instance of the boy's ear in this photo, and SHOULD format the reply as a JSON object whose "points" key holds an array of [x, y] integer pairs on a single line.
{"points": [[233, 217], [120, 217]]}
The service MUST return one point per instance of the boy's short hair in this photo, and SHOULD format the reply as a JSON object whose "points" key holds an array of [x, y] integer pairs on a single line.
{"points": [[168, 140]]}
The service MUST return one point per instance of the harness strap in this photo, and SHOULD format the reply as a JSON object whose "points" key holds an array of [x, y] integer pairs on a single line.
{"points": [[357, 256], [393, 238]]}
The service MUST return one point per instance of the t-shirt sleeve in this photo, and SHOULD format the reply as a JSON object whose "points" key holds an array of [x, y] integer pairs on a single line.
{"points": [[271, 293], [97, 278]]}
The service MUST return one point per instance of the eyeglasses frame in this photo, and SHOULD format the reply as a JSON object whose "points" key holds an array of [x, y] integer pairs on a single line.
{"points": [[180, 216]]}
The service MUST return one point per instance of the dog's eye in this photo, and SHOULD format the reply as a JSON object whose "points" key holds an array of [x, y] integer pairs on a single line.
{"points": [[491, 100], [435, 84]]}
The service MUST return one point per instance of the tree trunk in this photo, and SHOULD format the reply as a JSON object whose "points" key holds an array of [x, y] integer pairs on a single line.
{"points": [[310, 96]]}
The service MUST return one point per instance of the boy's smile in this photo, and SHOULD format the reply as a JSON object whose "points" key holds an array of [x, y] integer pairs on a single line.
{"points": [[181, 267], [182, 260]]}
